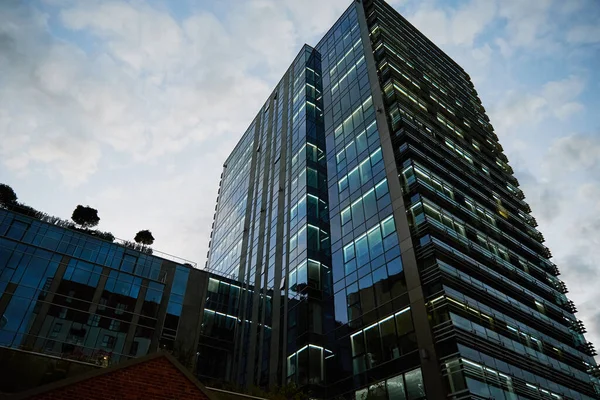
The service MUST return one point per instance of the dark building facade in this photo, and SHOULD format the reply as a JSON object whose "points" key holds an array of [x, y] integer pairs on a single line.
{"points": [[379, 240]]}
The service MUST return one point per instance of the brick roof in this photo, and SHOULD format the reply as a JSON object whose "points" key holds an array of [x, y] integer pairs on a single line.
{"points": [[155, 376]]}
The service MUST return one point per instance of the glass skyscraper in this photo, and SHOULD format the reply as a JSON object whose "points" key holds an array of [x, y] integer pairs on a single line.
{"points": [[379, 240]]}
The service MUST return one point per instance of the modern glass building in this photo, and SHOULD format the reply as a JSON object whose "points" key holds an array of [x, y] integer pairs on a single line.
{"points": [[67, 294], [378, 240]]}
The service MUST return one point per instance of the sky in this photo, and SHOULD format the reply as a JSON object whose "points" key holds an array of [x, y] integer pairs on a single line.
{"points": [[132, 107]]}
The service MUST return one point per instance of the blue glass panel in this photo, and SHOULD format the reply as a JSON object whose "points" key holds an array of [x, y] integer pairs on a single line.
{"points": [[378, 262], [180, 280], [365, 282], [362, 271], [375, 244], [6, 250], [111, 281], [390, 242], [135, 288], [376, 157], [362, 250], [352, 294], [339, 286], [302, 275], [395, 266], [351, 278], [361, 143], [388, 227], [370, 204], [346, 215], [350, 266], [128, 263], [349, 252], [17, 229], [381, 189], [365, 171], [81, 276], [357, 213], [392, 253], [341, 307], [174, 308], [354, 180], [6, 275], [117, 256], [95, 276], [70, 269], [175, 298], [380, 274], [34, 272], [343, 184]]}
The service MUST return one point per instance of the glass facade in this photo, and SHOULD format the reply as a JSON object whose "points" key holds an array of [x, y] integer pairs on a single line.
{"points": [[68, 294], [377, 239], [500, 323]]}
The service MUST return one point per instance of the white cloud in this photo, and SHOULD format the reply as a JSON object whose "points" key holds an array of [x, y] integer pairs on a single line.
{"points": [[565, 111], [432, 22], [505, 49], [144, 83], [584, 34], [458, 27], [591, 191], [527, 23], [575, 153], [308, 21], [482, 55], [556, 98], [471, 20]]}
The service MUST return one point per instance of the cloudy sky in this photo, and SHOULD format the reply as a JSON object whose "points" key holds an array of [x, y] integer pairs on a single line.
{"points": [[132, 106]]}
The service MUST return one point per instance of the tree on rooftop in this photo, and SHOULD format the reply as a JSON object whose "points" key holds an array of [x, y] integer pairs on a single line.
{"points": [[144, 237], [7, 194], [87, 216]]}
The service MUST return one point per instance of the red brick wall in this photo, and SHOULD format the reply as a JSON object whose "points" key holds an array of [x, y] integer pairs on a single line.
{"points": [[153, 380]]}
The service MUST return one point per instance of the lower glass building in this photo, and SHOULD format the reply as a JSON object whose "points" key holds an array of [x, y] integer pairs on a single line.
{"points": [[68, 294]]}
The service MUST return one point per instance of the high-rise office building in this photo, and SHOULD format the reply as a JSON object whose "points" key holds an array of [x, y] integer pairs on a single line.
{"points": [[381, 243]]}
